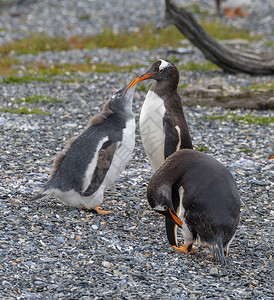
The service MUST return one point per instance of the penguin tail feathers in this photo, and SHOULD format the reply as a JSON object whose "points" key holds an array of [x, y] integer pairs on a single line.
{"points": [[40, 195], [218, 251]]}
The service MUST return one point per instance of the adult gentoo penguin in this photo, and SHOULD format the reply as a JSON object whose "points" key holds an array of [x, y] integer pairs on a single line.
{"points": [[163, 126], [92, 161], [206, 196]]}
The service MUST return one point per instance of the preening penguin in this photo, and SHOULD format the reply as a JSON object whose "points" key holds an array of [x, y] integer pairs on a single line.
{"points": [[206, 196], [163, 126], [92, 162]]}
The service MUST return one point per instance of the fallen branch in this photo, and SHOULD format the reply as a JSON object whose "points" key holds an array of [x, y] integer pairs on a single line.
{"points": [[230, 60]]}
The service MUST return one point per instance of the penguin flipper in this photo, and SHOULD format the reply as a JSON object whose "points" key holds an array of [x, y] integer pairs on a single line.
{"points": [[105, 157], [172, 137]]}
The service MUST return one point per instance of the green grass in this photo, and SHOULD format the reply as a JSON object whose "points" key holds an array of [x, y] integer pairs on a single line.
{"points": [[196, 9], [260, 86], [45, 73], [36, 99], [146, 37], [269, 44], [141, 88], [84, 17], [183, 85], [201, 149], [243, 119], [221, 32], [193, 66], [26, 78], [24, 111]]}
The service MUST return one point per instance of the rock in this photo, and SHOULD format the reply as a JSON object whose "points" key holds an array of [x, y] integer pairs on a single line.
{"points": [[214, 272], [107, 264]]}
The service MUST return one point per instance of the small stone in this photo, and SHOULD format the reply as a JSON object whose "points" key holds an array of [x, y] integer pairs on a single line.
{"points": [[214, 272], [107, 264], [60, 240]]}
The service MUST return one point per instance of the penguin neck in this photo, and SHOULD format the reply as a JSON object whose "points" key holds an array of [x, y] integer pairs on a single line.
{"points": [[173, 107], [123, 108], [163, 88]]}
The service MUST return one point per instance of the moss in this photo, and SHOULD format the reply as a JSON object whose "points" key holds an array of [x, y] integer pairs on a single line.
{"points": [[183, 85], [202, 149], [248, 118], [146, 37], [141, 88], [8, 65], [45, 73], [269, 44], [23, 111], [193, 66], [196, 9], [260, 86], [26, 78], [221, 32], [84, 17], [36, 99]]}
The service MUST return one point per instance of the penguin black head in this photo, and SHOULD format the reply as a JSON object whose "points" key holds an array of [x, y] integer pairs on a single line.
{"points": [[160, 201], [163, 71], [122, 99]]}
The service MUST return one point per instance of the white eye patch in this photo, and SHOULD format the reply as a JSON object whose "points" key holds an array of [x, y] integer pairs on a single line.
{"points": [[164, 64]]}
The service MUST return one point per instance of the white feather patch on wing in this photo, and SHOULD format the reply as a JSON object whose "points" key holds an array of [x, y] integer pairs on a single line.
{"points": [[187, 235], [179, 136]]}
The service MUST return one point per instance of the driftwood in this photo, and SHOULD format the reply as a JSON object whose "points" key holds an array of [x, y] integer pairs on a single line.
{"points": [[230, 60]]}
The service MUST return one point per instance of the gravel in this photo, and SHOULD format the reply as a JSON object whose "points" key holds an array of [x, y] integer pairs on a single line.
{"points": [[52, 251]]}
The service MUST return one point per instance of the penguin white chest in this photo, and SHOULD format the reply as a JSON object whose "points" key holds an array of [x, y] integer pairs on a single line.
{"points": [[122, 154], [151, 129]]}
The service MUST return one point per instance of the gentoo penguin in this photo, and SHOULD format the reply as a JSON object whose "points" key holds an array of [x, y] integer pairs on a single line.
{"points": [[92, 161], [209, 203], [233, 8], [163, 126]]}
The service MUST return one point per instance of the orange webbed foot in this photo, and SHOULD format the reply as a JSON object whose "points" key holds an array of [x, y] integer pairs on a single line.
{"points": [[98, 209], [184, 249], [229, 13], [240, 13]]}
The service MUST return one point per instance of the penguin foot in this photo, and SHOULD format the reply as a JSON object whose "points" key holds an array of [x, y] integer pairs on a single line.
{"points": [[240, 13], [229, 13], [211, 256], [98, 209], [185, 249]]}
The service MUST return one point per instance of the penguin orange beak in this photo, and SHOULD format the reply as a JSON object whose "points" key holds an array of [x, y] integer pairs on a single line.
{"points": [[138, 79], [133, 82], [175, 218]]}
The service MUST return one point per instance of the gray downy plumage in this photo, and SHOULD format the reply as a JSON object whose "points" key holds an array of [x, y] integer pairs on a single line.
{"points": [[92, 161]]}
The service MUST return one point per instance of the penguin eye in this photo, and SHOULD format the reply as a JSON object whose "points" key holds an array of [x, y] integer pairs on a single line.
{"points": [[165, 207], [161, 70], [119, 95]]}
